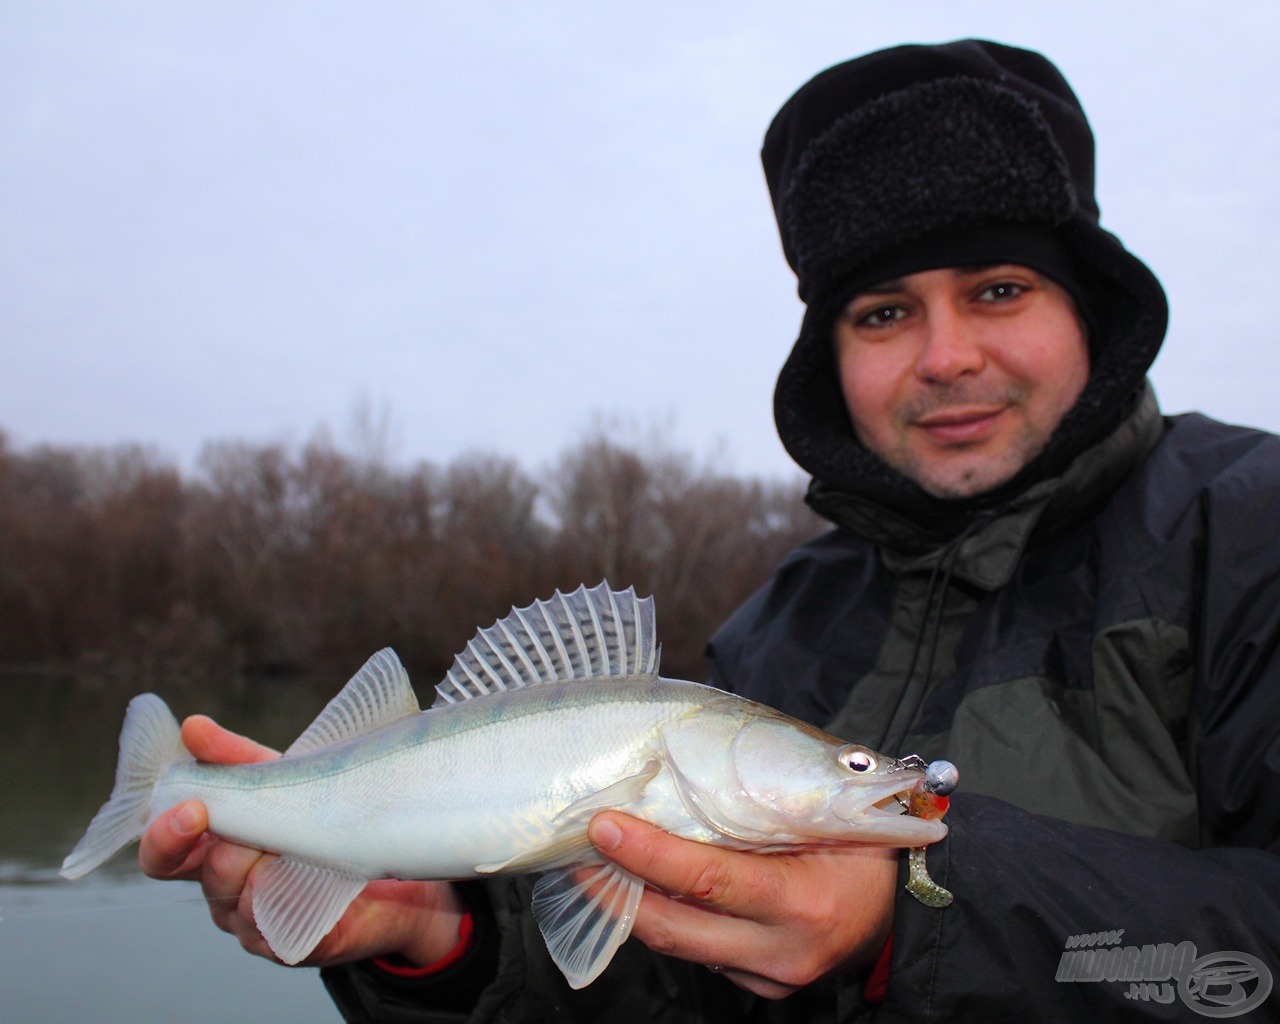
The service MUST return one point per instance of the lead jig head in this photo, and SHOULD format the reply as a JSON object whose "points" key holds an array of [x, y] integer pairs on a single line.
{"points": [[941, 778]]}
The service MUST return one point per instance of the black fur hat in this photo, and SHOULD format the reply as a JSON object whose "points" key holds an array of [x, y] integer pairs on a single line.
{"points": [[921, 157]]}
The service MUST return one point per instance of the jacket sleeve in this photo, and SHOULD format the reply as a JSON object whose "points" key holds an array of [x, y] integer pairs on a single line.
{"points": [[509, 978]]}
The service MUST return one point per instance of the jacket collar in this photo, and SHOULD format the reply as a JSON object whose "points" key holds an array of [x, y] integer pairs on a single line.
{"points": [[985, 552]]}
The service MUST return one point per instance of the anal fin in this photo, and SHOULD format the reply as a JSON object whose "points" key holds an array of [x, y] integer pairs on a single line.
{"points": [[585, 913], [296, 904]]}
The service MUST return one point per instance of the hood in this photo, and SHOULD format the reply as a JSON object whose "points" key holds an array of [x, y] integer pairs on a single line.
{"points": [[902, 152]]}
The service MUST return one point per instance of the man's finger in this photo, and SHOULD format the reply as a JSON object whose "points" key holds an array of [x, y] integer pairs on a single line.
{"points": [[208, 741], [226, 871], [690, 931], [725, 942], [724, 880], [171, 847]]}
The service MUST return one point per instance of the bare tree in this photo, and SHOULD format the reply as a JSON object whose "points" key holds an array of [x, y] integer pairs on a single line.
{"points": [[295, 560]]}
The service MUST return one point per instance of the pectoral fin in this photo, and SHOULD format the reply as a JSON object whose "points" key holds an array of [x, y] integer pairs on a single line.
{"points": [[296, 904], [566, 847], [568, 844], [619, 795], [585, 913]]}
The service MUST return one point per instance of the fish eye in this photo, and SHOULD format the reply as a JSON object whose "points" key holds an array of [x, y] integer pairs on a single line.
{"points": [[856, 759]]}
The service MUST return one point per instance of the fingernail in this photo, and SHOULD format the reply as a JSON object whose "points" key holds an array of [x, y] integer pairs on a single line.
{"points": [[605, 835], [186, 820]]}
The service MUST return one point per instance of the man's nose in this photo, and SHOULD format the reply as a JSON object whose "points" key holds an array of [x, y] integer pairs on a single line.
{"points": [[950, 349]]}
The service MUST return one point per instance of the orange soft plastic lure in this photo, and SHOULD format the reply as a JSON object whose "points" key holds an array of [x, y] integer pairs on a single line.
{"points": [[930, 799]]}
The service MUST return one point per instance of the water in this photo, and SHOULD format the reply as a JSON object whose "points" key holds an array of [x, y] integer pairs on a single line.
{"points": [[115, 946]]}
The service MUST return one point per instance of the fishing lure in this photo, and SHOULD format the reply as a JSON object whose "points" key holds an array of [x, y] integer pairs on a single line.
{"points": [[930, 798]]}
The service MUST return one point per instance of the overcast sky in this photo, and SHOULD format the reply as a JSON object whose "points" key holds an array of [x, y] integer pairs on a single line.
{"points": [[498, 220]]}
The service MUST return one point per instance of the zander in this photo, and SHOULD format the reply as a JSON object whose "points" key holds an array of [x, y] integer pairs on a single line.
{"points": [[550, 715]]}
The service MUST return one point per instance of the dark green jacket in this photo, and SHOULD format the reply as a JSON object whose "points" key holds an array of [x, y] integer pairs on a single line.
{"points": [[1100, 659]]}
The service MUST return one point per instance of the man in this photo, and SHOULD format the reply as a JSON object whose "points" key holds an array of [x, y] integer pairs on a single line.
{"points": [[1032, 573]]}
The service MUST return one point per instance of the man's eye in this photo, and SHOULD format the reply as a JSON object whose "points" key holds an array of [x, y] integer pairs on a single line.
{"points": [[880, 316], [1002, 291]]}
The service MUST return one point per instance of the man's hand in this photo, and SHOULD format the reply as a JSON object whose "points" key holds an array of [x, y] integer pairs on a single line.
{"points": [[772, 923], [416, 920]]}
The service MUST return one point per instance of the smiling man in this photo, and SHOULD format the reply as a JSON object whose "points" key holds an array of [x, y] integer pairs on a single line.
{"points": [[1031, 572], [957, 378]]}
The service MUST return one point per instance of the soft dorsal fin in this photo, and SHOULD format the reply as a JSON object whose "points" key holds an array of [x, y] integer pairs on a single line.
{"points": [[377, 695], [583, 635]]}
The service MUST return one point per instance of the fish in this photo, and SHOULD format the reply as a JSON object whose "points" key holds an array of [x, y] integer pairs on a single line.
{"points": [[548, 716]]}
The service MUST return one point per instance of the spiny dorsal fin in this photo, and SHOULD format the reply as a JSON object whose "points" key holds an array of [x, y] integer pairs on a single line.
{"points": [[583, 635], [377, 695]]}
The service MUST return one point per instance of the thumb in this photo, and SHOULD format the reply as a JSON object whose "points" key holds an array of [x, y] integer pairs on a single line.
{"points": [[171, 846], [709, 875]]}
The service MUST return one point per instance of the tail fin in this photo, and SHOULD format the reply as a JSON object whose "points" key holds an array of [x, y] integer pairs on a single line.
{"points": [[150, 742]]}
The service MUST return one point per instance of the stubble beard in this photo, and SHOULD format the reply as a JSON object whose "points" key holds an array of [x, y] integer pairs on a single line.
{"points": [[968, 471]]}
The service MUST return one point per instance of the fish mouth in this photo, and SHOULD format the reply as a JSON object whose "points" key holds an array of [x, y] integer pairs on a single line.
{"points": [[858, 801], [878, 812]]}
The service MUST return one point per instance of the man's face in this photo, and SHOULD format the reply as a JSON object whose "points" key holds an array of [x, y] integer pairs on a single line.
{"points": [[957, 377]]}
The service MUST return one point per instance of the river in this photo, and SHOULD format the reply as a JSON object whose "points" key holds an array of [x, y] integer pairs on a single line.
{"points": [[116, 947]]}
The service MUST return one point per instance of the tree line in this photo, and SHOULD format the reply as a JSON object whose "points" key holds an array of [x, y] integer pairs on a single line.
{"points": [[271, 559]]}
